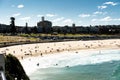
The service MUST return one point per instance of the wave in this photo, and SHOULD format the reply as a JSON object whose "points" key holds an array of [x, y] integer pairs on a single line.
{"points": [[70, 59]]}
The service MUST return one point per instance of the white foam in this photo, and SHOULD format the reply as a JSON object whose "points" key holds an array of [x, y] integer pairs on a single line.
{"points": [[69, 59]]}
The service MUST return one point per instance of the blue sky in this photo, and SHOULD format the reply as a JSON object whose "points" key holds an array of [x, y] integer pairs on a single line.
{"points": [[61, 12]]}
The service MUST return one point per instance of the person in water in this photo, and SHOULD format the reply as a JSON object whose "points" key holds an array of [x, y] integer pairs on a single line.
{"points": [[37, 64]]}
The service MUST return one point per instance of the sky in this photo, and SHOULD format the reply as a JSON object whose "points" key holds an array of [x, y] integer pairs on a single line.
{"points": [[61, 12]]}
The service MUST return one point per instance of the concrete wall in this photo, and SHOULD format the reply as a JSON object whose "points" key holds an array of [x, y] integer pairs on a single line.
{"points": [[2, 62]]}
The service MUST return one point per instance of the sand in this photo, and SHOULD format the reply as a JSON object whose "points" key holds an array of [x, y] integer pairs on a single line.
{"points": [[41, 49]]}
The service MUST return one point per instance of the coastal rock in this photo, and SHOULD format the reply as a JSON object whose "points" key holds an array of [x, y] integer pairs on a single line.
{"points": [[14, 69]]}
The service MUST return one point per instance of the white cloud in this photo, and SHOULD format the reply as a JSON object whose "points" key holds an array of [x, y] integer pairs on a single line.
{"points": [[117, 19], [102, 7], [17, 14], [108, 18], [79, 21], [20, 6], [111, 3], [50, 15], [105, 19], [62, 21], [68, 21], [58, 19], [25, 18], [94, 20], [47, 15], [97, 12], [84, 15], [1, 21], [40, 15]]}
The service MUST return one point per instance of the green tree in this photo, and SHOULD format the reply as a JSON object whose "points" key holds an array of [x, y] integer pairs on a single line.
{"points": [[34, 30], [12, 25]]}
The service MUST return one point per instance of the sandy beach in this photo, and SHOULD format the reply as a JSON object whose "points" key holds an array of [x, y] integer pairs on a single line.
{"points": [[41, 49]]}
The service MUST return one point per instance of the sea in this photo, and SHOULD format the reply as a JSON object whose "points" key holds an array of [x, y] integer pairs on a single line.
{"points": [[75, 65]]}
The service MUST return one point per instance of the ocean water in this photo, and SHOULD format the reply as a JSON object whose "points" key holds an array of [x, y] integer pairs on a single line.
{"points": [[85, 65]]}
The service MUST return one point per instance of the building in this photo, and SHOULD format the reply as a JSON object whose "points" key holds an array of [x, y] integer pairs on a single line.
{"points": [[4, 28], [45, 25]]}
